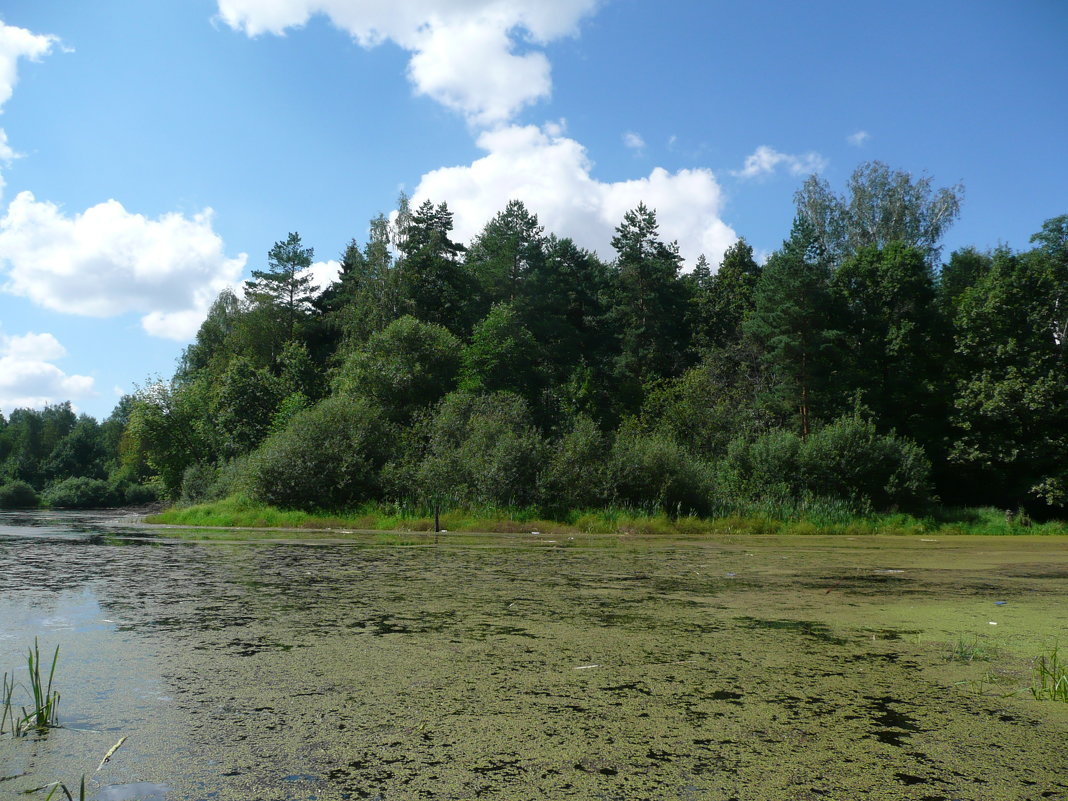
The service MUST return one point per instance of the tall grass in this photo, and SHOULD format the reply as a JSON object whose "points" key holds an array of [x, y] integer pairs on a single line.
{"points": [[43, 714], [1050, 677], [773, 516]]}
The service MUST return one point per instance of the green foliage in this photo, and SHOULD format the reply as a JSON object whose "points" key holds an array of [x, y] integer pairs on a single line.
{"points": [[896, 339], [79, 492], [880, 206], [245, 403], [171, 428], [18, 495], [575, 474], [849, 459], [649, 303], [406, 367], [502, 355], [1050, 681], [482, 449], [651, 471], [506, 253], [712, 403], [327, 458], [1011, 399], [794, 325], [285, 285], [723, 300], [846, 459]]}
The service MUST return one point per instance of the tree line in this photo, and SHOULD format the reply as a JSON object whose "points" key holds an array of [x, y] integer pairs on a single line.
{"points": [[854, 369]]}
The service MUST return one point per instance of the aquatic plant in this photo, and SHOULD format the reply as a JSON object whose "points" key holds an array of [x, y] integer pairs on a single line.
{"points": [[969, 650], [1050, 677], [44, 713], [56, 787]]}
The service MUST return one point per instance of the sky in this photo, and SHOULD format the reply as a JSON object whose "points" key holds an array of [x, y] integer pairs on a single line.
{"points": [[151, 153]]}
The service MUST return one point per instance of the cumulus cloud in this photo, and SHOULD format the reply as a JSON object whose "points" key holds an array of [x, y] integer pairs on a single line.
{"points": [[634, 141], [28, 379], [16, 43], [107, 261], [765, 160], [323, 273], [859, 138], [552, 175], [474, 56]]}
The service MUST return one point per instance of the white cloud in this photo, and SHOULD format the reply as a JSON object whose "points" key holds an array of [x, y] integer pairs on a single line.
{"points": [[551, 174], [634, 141], [27, 377], [859, 138], [473, 56], [323, 273], [106, 262], [16, 43], [765, 160]]}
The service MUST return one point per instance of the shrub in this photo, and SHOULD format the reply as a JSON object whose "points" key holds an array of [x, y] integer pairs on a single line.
{"points": [[18, 495], [327, 458], [575, 473], [79, 492], [764, 468], [653, 471], [849, 459], [483, 450]]}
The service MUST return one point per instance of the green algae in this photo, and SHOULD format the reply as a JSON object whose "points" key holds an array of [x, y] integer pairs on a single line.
{"points": [[746, 668]]}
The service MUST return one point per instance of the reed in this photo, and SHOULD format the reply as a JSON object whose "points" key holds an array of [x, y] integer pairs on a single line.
{"points": [[43, 714], [1050, 677]]}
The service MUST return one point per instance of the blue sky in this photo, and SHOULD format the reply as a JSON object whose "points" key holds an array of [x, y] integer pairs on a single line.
{"points": [[153, 152]]}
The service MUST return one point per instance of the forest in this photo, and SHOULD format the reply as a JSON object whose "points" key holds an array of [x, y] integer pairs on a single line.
{"points": [[855, 369]]}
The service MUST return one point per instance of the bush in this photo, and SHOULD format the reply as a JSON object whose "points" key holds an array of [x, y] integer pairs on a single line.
{"points": [[483, 451], [847, 462], [18, 495], [79, 492], [575, 474], [764, 468], [849, 459], [327, 458], [652, 471]]}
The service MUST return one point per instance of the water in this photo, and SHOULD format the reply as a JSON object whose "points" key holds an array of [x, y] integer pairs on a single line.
{"points": [[513, 668]]}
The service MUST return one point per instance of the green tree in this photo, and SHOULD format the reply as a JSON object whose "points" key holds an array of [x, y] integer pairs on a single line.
{"points": [[246, 399], [794, 324], [649, 303], [433, 285], [896, 340], [285, 284], [406, 367], [880, 206], [507, 251], [1011, 402], [723, 300], [502, 356]]}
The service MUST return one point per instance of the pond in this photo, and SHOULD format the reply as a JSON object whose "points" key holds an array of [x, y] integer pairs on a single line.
{"points": [[519, 667]]}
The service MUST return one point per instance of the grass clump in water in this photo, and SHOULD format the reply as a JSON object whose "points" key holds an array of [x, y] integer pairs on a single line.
{"points": [[43, 715], [1050, 677], [970, 649]]}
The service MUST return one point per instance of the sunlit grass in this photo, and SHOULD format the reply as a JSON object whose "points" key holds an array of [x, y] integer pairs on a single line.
{"points": [[43, 712], [820, 518], [1050, 677], [970, 649]]}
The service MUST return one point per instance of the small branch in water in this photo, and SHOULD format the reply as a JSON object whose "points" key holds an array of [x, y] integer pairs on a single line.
{"points": [[110, 752]]}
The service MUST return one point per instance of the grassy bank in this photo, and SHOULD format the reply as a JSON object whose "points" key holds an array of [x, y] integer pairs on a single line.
{"points": [[240, 512]]}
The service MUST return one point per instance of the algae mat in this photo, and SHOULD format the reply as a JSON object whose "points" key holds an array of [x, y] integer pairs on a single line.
{"points": [[734, 668]]}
